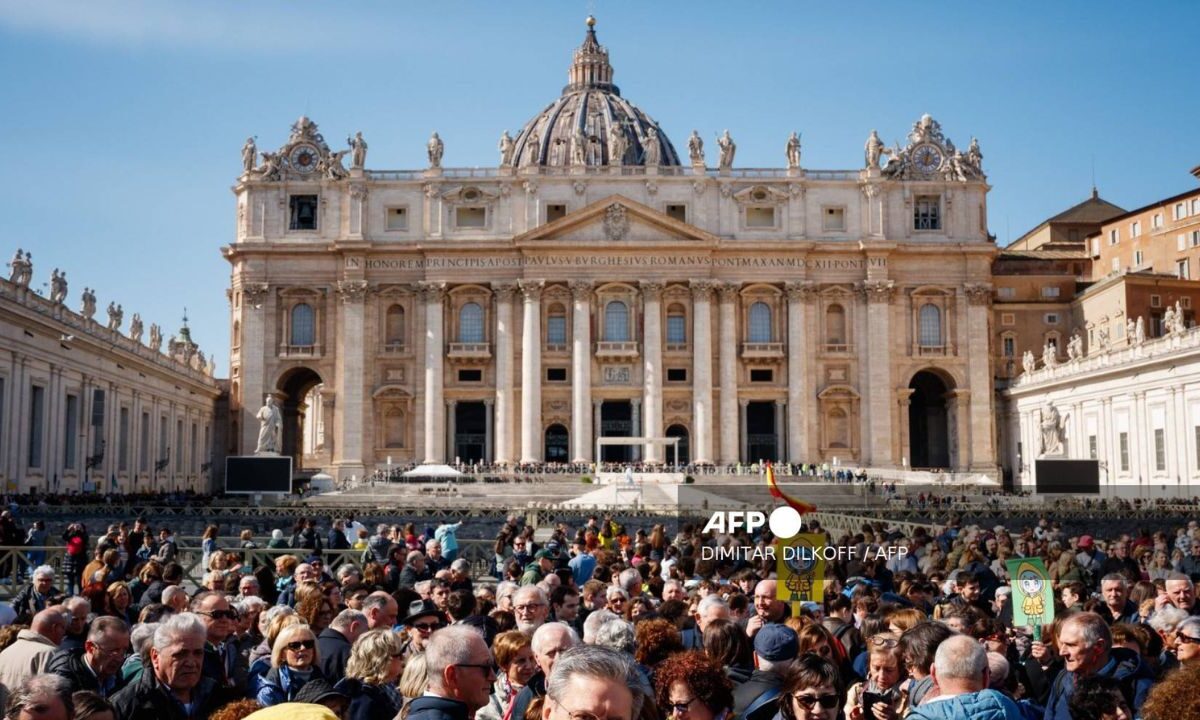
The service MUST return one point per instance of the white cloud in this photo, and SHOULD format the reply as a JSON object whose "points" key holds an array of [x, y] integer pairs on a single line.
{"points": [[252, 27]]}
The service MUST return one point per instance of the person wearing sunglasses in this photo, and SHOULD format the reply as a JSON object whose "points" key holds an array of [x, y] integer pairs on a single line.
{"points": [[690, 686], [424, 618], [460, 672], [222, 661], [1187, 642], [812, 690], [293, 663]]}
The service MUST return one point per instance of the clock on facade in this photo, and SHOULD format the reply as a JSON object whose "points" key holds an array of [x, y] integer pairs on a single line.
{"points": [[927, 158], [303, 158]]}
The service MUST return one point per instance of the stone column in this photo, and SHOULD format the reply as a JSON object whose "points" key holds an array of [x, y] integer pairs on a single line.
{"points": [[981, 411], [581, 371], [358, 211], [781, 449], [727, 359], [799, 295], [531, 372], [744, 431], [596, 405], [451, 431], [503, 453], [433, 296], [258, 343], [635, 419], [351, 381], [879, 372], [702, 371], [652, 367], [489, 409]]}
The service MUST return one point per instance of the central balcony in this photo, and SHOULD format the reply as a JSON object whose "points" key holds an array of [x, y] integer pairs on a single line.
{"points": [[470, 353], [762, 352], [616, 350]]}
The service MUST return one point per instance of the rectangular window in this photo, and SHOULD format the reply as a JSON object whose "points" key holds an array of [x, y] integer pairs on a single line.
{"points": [[98, 422], [470, 217], [1156, 221], [1051, 318], [123, 440], [397, 218], [1010, 347], [761, 375], [164, 447], [1006, 293], [1180, 211], [1196, 206], [1181, 269], [470, 376], [1135, 229], [303, 212], [179, 446], [1180, 242], [144, 444], [1116, 264], [927, 213], [676, 374], [677, 211], [760, 217], [1096, 247], [70, 432], [834, 218], [555, 211], [1114, 236], [1050, 291], [1008, 319], [1196, 238], [195, 449], [1123, 443], [1160, 449], [676, 330], [556, 374], [556, 330], [37, 412], [1092, 447], [1138, 257], [1156, 301]]}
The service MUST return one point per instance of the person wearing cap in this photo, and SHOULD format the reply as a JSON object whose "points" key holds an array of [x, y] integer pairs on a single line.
{"points": [[543, 563], [1090, 559], [423, 620], [775, 647]]}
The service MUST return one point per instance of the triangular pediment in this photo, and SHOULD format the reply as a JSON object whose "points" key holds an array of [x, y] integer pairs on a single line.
{"points": [[616, 221]]}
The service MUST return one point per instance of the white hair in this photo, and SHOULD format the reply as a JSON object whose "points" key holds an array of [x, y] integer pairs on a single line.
{"points": [[348, 617], [593, 623], [531, 590], [1167, 619], [544, 634], [598, 663], [43, 571], [249, 604], [506, 587], [709, 602], [173, 628], [960, 657], [76, 601], [616, 635], [998, 669], [449, 646], [631, 581], [461, 566]]}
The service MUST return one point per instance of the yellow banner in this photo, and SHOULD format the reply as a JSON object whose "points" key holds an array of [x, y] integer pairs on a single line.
{"points": [[801, 570]]}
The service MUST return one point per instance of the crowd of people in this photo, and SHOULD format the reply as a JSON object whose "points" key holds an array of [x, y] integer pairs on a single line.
{"points": [[597, 621]]}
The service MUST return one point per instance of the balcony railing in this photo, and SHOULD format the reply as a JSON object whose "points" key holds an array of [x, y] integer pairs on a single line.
{"points": [[616, 349], [556, 347], [470, 352], [395, 348], [931, 350], [677, 347], [762, 351], [836, 348], [305, 351]]}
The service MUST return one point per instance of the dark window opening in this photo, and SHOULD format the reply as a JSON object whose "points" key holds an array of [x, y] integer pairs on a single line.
{"points": [[303, 212], [676, 374]]}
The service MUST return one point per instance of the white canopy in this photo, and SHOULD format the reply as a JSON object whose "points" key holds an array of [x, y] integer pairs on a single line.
{"points": [[433, 470]]}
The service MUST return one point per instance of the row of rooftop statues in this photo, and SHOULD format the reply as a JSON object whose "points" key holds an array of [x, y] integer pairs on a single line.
{"points": [[1173, 324]]}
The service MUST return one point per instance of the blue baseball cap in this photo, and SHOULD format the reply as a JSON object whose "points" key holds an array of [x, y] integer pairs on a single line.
{"points": [[776, 643]]}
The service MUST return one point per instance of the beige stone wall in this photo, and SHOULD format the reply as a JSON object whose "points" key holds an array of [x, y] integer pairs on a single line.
{"points": [[1176, 238]]}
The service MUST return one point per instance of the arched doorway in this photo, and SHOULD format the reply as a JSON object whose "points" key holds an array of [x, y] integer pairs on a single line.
{"points": [[678, 431], [300, 417], [556, 444], [929, 421], [470, 431]]}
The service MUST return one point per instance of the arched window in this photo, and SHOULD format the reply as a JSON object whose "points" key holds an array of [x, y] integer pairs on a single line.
{"points": [[556, 325], [676, 325], [835, 325], [556, 444], [678, 431], [929, 322], [395, 325], [470, 323], [616, 322], [304, 325], [760, 323]]}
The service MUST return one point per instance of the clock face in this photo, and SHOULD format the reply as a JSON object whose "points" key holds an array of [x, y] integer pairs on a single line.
{"points": [[927, 158], [303, 158]]}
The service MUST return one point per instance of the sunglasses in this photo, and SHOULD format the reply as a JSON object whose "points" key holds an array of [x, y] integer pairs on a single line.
{"points": [[827, 702], [220, 614], [426, 627], [679, 708], [299, 645], [487, 669], [1186, 639]]}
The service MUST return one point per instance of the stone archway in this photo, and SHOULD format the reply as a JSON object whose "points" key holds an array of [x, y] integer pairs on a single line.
{"points": [[929, 430], [294, 387]]}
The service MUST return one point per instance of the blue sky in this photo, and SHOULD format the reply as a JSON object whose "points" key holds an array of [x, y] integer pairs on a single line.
{"points": [[123, 119]]}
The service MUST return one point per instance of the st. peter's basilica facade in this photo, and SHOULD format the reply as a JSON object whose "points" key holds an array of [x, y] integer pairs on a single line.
{"points": [[599, 283]]}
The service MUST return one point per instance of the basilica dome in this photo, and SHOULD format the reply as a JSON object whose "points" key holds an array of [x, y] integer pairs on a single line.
{"points": [[591, 124]]}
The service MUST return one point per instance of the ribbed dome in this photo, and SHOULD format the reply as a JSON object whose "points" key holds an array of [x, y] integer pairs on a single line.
{"points": [[591, 121]]}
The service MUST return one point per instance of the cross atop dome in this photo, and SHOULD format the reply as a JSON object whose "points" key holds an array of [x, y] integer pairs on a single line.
{"points": [[590, 69]]}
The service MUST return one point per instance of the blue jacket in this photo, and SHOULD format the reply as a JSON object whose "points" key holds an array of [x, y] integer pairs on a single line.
{"points": [[1123, 665], [280, 685], [428, 707], [982, 705]]}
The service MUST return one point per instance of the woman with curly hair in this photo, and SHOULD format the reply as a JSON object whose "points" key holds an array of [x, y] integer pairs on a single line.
{"points": [[317, 610], [375, 663], [690, 685], [1099, 698], [656, 641], [812, 690], [119, 602]]}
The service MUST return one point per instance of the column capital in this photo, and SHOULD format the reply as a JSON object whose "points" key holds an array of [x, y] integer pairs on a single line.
{"points": [[255, 293], [353, 291], [729, 291], [703, 289], [801, 291], [744, 402], [651, 290], [581, 289], [532, 289], [504, 290], [431, 292], [978, 293], [877, 291]]}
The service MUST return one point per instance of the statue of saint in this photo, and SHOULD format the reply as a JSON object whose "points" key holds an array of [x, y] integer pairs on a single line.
{"points": [[506, 149], [435, 148], [974, 155], [1139, 333], [155, 337], [1049, 356], [1028, 362], [58, 287], [270, 431], [874, 150], [88, 308], [533, 145], [1130, 329], [332, 165], [135, 328], [651, 154], [793, 152], [728, 149], [696, 148], [617, 145], [1052, 436], [578, 146], [115, 315], [249, 153], [17, 265], [358, 147]]}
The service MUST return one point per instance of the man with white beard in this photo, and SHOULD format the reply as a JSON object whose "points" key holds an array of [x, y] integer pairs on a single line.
{"points": [[531, 607], [549, 641]]}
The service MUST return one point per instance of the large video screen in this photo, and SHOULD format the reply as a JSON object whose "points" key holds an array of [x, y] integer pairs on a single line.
{"points": [[258, 474], [1073, 477]]}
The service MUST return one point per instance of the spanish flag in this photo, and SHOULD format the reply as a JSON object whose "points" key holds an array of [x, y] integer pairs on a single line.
{"points": [[799, 506]]}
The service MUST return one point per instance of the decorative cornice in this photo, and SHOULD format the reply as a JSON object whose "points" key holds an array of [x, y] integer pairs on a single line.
{"points": [[703, 289], [255, 294], [651, 291], [729, 291]]}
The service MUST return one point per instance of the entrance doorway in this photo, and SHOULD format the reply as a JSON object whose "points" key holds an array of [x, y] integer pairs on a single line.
{"points": [[685, 456], [616, 420], [761, 438], [470, 431], [557, 444], [296, 409], [929, 421]]}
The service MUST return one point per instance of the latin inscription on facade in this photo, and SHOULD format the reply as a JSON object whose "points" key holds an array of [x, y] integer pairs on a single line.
{"points": [[588, 261], [617, 375]]}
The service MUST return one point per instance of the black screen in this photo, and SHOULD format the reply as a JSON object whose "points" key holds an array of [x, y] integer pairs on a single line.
{"points": [[258, 474], [1074, 477]]}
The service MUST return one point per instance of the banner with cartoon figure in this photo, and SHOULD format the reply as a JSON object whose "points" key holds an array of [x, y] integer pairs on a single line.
{"points": [[1032, 593], [801, 570]]}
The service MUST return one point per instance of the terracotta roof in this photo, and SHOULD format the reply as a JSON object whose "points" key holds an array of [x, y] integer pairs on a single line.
{"points": [[1095, 210], [1043, 255]]}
